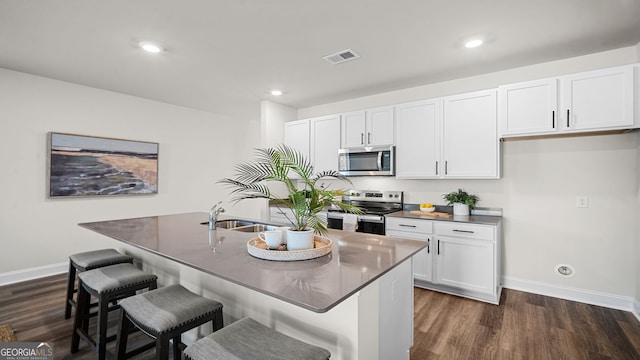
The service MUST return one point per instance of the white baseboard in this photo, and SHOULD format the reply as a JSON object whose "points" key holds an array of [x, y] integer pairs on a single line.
{"points": [[17, 276], [626, 303]]}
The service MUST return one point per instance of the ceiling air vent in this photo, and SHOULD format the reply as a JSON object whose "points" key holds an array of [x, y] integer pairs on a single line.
{"points": [[341, 56]]}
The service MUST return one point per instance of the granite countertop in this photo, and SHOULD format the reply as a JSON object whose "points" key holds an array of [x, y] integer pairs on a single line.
{"points": [[475, 219], [356, 259]]}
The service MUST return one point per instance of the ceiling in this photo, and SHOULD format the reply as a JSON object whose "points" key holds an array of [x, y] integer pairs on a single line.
{"points": [[224, 56]]}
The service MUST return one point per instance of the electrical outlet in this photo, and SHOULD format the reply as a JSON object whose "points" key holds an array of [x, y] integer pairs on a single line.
{"points": [[582, 201]]}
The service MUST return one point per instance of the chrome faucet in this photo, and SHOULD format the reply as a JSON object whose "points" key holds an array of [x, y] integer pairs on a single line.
{"points": [[213, 215]]}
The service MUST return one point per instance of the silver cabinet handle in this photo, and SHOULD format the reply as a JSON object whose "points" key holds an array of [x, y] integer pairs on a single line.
{"points": [[361, 138], [403, 225], [436, 167], [446, 167], [567, 117], [428, 246], [553, 119], [464, 231], [369, 138]]}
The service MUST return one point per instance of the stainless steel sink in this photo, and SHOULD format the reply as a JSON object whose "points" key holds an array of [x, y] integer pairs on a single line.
{"points": [[232, 224], [242, 225], [255, 228]]}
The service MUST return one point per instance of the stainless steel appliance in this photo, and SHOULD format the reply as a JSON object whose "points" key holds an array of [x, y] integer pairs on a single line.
{"points": [[367, 161], [374, 204]]}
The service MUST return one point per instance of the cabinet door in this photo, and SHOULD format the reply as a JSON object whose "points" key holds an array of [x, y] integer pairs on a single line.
{"points": [[325, 142], [528, 108], [423, 260], [466, 264], [418, 139], [470, 136], [296, 135], [598, 99], [379, 127], [353, 129]]}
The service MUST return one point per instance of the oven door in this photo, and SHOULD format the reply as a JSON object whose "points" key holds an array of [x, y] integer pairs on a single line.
{"points": [[370, 224]]}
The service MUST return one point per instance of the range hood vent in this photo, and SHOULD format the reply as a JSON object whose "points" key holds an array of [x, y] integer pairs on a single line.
{"points": [[341, 56]]}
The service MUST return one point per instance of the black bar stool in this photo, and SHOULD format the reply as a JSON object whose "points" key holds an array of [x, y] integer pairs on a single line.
{"points": [[107, 284], [248, 339], [165, 314], [88, 261]]}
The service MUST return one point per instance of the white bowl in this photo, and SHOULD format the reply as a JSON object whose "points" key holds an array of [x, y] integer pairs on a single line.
{"points": [[431, 209]]}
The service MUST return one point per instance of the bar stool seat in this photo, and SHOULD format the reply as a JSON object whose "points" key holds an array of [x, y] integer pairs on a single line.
{"points": [[89, 260], [165, 314], [247, 339], [107, 284]]}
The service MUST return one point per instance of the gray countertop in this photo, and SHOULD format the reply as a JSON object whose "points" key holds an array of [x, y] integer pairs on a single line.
{"points": [[356, 259], [475, 219]]}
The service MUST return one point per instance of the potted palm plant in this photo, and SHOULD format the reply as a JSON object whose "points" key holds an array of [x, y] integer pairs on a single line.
{"points": [[304, 196], [461, 201]]}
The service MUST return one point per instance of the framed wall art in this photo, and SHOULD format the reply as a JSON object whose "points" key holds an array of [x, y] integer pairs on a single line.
{"points": [[81, 165]]}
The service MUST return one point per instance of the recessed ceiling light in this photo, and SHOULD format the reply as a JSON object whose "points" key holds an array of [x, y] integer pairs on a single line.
{"points": [[473, 43], [276, 92], [150, 47]]}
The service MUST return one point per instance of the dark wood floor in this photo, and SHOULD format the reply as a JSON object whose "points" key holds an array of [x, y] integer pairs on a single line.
{"points": [[524, 326]]}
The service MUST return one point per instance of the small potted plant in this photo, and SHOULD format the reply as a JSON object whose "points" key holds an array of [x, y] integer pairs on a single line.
{"points": [[305, 198], [461, 201]]}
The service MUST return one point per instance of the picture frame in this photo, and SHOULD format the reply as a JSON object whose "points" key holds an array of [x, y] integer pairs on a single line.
{"points": [[83, 165]]}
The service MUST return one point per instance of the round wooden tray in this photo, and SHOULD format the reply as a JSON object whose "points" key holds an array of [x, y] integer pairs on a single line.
{"points": [[259, 249]]}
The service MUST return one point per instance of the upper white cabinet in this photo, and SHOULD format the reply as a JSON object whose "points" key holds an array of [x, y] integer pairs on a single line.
{"points": [[597, 99], [372, 127], [418, 139], [528, 107], [470, 146], [453, 137], [296, 135], [325, 142], [588, 101]]}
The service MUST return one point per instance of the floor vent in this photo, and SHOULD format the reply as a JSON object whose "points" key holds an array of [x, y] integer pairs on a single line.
{"points": [[341, 56]]}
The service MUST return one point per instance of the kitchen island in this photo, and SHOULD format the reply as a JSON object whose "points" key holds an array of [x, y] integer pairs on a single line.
{"points": [[339, 301]]}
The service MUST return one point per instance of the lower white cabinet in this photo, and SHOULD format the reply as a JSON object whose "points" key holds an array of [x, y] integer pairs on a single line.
{"points": [[461, 258], [415, 230]]}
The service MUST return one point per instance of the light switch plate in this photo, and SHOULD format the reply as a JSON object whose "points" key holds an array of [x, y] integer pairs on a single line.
{"points": [[582, 201]]}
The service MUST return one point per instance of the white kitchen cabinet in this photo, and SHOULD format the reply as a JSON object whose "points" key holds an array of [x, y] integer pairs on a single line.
{"points": [[528, 108], [601, 99], [418, 139], [325, 142], [461, 258], [296, 135], [373, 127], [470, 136], [584, 102], [420, 230]]}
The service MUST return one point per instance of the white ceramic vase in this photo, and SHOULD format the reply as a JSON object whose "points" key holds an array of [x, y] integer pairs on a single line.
{"points": [[460, 209], [300, 239]]}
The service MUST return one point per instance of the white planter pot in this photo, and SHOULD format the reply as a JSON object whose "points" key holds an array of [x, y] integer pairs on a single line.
{"points": [[300, 240], [460, 209]]}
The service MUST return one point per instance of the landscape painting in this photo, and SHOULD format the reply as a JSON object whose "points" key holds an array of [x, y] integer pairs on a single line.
{"points": [[95, 166]]}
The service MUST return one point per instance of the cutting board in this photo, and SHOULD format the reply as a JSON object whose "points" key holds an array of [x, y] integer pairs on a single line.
{"points": [[431, 214]]}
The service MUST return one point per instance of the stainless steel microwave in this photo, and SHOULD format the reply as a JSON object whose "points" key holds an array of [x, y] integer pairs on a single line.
{"points": [[376, 161]]}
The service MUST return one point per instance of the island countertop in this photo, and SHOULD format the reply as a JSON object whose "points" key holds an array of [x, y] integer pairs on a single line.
{"points": [[356, 259]]}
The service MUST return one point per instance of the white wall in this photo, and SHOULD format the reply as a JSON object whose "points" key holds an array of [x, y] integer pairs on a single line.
{"points": [[541, 179], [194, 153], [273, 117]]}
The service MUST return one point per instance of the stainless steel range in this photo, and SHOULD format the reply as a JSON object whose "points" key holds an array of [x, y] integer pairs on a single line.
{"points": [[374, 204]]}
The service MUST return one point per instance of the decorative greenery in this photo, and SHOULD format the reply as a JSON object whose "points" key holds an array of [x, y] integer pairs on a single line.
{"points": [[461, 197], [274, 165]]}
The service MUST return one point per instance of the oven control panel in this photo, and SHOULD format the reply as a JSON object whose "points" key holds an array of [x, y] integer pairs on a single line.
{"points": [[375, 196]]}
